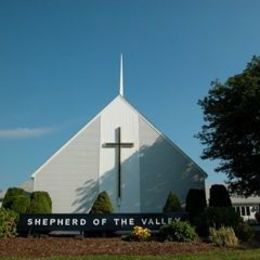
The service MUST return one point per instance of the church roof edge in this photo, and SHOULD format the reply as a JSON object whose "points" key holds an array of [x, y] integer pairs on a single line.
{"points": [[164, 136], [98, 115]]}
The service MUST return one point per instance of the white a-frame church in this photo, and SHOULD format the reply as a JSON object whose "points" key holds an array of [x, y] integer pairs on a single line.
{"points": [[119, 151]]}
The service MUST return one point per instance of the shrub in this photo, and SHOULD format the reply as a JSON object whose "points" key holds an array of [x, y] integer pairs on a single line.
{"points": [[217, 217], [14, 191], [139, 234], [257, 217], [225, 236], [102, 204], [20, 204], [16, 199], [40, 202], [172, 203], [219, 196], [7, 223], [195, 203], [180, 231], [244, 232]]}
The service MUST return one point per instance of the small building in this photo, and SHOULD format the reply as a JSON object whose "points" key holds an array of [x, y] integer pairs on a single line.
{"points": [[246, 207]]}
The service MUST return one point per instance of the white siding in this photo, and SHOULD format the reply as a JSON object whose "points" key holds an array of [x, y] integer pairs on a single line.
{"points": [[164, 168], [152, 168], [71, 176], [118, 113]]}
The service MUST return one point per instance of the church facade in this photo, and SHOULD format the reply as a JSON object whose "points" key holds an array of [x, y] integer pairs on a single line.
{"points": [[119, 151]]}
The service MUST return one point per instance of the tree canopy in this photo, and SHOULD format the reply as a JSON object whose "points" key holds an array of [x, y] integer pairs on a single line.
{"points": [[231, 132]]}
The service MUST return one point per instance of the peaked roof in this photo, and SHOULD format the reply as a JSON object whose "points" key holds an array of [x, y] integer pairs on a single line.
{"points": [[126, 102], [164, 137]]}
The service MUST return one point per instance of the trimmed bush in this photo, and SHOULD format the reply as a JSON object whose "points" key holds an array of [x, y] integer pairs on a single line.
{"points": [[180, 231], [257, 217], [14, 191], [102, 204], [40, 203], [244, 232], [225, 236], [172, 203], [217, 217], [219, 196], [20, 204], [195, 203], [7, 223], [16, 199]]}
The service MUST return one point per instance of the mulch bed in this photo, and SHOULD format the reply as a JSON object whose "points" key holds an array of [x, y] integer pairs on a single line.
{"points": [[67, 246]]}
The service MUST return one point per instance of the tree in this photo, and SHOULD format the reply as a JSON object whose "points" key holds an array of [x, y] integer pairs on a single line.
{"points": [[172, 203], [219, 197], [231, 132], [102, 204]]}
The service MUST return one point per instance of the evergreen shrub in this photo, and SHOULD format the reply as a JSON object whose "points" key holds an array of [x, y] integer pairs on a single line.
{"points": [[244, 232], [217, 217], [219, 196], [16, 199], [40, 203], [20, 204], [257, 217], [224, 236], [102, 204], [195, 203], [8, 219], [180, 231], [172, 203]]}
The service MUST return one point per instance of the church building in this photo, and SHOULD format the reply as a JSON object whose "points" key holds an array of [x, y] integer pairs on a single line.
{"points": [[121, 152]]}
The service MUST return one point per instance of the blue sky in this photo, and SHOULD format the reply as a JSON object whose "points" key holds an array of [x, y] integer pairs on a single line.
{"points": [[59, 65]]}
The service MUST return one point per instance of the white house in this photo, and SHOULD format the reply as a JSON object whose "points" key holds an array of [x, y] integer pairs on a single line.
{"points": [[246, 207]]}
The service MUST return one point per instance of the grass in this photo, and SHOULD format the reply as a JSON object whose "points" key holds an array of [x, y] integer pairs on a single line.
{"points": [[224, 254]]}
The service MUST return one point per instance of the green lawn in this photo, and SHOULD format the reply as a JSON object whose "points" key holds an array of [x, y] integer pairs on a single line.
{"points": [[221, 254]]}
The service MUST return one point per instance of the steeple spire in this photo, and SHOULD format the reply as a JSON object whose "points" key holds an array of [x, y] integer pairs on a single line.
{"points": [[121, 86]]}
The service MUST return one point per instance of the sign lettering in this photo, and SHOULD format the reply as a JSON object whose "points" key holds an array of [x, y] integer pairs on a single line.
{"points": [[95, 222]]}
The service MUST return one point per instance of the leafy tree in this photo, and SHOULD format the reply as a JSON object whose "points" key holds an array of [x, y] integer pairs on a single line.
{"points": [[195, 202], [231, 132], [102, 204], [40, 202], [219, 197], [172, 203]]}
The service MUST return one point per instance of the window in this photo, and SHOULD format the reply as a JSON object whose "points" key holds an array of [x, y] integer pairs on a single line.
{"points": [[247, 210], [243, 211]]}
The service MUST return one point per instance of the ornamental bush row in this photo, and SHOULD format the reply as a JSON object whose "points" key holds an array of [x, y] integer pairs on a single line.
{"points": [[220, 212], [19, 201], [196, 200], [16, 202], [179, 231]]}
